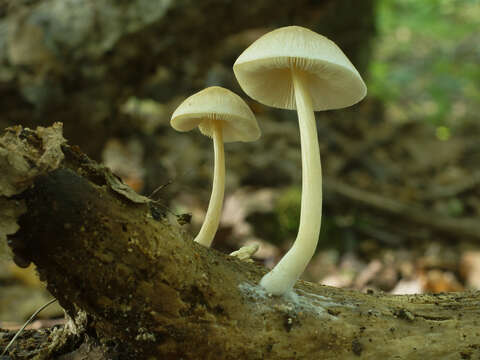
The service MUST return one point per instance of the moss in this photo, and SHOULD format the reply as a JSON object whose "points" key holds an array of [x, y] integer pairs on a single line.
{"points": [[287, 210]]}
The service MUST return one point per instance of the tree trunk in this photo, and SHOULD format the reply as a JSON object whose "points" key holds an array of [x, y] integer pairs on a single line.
{"points": [[136, 286]]}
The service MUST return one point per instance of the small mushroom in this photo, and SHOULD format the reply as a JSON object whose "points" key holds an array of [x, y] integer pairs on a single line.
{"points": [[246, 252], [225, 117], [296, 68]]}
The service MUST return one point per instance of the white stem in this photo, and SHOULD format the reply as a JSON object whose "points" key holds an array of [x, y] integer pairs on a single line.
{"points": [[284, 275], [212, 219]]}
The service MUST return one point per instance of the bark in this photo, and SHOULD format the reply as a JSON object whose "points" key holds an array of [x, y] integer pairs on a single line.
{"points": [[136, 286]]}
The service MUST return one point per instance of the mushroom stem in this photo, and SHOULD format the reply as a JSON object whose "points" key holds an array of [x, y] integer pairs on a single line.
{"points": [[212, 218], [284, 275]]}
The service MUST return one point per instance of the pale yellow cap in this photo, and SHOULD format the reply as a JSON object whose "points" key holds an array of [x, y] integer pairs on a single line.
{"points": [[217, 104], [263, 70]]}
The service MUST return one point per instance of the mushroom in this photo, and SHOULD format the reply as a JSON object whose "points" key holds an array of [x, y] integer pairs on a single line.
{"points": [[225, 117], [296, 68]]}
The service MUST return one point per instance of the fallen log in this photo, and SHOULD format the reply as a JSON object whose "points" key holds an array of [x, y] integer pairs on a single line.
{"points": [[135, 286]]}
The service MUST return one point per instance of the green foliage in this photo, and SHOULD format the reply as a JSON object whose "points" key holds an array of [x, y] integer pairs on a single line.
{"points": [[288, 210], [287, 213], [426, 61]]}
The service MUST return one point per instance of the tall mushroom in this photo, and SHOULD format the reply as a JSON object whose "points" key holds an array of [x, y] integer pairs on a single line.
{"points": [[296, 68], [223, 116]]}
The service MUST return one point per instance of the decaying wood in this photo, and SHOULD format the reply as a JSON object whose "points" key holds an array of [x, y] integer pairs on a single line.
{"points": [[136, 286]]}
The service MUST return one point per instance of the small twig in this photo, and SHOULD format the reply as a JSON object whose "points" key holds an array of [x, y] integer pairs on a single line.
{"points": [[19, 332], [452, 190], [161, 187], [387, 237], [358, 150], [182, 219], [469, 227]]}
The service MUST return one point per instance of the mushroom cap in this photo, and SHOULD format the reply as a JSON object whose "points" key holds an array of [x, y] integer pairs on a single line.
{"points": [[263, 70], [217, 104]]}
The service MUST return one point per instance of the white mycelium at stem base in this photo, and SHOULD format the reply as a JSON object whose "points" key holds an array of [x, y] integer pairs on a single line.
{"points": [[212, 218], [282, 278]]}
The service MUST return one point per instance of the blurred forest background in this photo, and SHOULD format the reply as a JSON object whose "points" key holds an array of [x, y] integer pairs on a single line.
{"points": [[402, 176]]}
